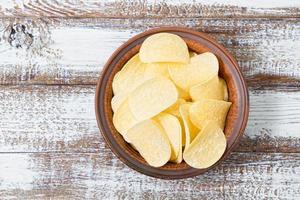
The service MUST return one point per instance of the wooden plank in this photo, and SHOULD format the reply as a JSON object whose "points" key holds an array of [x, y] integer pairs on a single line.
{"points": [[45, 119], [62, 119], [59, 51], [149, 8], [102, 176]]}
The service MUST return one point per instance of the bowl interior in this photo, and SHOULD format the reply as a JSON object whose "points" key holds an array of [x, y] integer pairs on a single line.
{"points": [[199, 43]]}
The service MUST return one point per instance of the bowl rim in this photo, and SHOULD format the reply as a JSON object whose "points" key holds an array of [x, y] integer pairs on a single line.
{"points": [[126, 159]]}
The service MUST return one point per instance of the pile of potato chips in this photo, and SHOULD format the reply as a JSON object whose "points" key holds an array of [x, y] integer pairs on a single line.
{"points": [[170, 104]]}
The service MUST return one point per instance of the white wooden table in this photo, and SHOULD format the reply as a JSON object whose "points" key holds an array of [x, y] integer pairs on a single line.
{"points": [[51, 54]]}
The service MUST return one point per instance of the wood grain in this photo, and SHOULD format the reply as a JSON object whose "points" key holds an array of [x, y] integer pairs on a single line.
{"points": [[62, 119], [70, 51], [102, 176], [149, 8], [57, 42]]}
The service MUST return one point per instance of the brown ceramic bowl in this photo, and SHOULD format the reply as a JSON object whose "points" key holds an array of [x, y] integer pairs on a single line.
{"points": [[199, 43]]}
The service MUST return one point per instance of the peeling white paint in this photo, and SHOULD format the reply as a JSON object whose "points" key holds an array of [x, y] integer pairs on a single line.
{"points": [[241, 3], [53, 118], [16, 172], [77, 53], [47, 119], [274, 114], [96, 176]]}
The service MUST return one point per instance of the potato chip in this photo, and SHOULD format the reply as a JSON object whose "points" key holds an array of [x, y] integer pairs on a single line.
{"points": [[189, 129], [117, 101], [207, 148], [211, 89], [151, 142], [182, 131], [183, 94], [153, 109], [130, 77], [123, 119], [200, 69], [174, 109], [179, 157], [116, 84], [172, 128], [157, 69], [206, 110], [164, 47], [152, 97]]}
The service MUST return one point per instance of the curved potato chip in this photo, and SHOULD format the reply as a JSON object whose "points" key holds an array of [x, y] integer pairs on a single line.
{"points": [[157, 69], [152, 97], [207, 148], [164, 47], [130, 77], [211, 89], [172, 128], [200, 69], [206, 110], [182, 130], [174, 109], [123, 119], [116, 82], [183, 94], [179, 157], [117, 101], [151, 142], [189, 129]]}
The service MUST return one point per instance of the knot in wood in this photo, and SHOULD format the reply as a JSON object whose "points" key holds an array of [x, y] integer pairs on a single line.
{"points": [[19, 36]]}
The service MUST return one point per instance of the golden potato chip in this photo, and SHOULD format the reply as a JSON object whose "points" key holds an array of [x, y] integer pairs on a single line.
{"points": [[174, 109], [164, 47], [151, 142], [182, 131], [157, 69], [207, 148], [123, 119], [179, 157], [211, 89], [189, 129], [116, 82], [183, 94], [172, 128], [152, 97], [117, 101], [206, 110], [201, 68], [130, 77]]}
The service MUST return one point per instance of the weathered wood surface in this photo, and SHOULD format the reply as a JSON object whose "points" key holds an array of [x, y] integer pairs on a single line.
{"points": [[74, 51], [51, 53], [103, 176], [148, 8], [62, 119]]}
